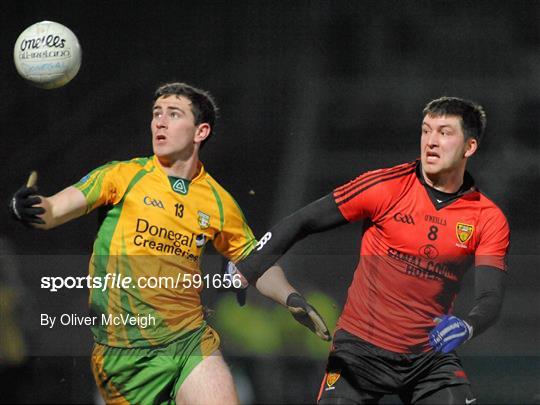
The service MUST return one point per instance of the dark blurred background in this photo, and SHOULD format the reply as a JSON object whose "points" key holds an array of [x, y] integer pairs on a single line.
{"points": [[311, 94]]}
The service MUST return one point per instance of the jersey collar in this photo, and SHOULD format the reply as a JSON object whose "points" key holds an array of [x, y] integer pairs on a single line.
{"points": [[441, 199], [186, 183], [199, 175]]}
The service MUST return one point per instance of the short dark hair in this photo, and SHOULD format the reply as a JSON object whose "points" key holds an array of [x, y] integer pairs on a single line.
{"points": [[203, 105], [473, 116]]}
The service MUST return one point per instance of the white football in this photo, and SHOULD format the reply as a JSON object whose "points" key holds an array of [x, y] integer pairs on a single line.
{"points": [[47, 54]]}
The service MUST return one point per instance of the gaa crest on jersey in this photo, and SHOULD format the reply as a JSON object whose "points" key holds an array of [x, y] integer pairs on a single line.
{"points": [[464, 232], [332, 377], [204, 220], [153, 202]]}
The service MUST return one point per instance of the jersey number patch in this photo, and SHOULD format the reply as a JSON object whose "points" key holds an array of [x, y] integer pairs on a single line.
{"points": [[179, 210], [432, 234]]}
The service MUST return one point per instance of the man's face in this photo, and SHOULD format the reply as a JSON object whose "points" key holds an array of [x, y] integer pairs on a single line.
{"points": [[443, 146], [173, 127]]}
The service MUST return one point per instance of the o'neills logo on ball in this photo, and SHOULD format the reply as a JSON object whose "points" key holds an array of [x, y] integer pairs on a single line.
{"points": [[464, 232], [47, 54]]}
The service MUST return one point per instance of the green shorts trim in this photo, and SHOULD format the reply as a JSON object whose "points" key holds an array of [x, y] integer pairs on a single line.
{"points": [[150, 375]]}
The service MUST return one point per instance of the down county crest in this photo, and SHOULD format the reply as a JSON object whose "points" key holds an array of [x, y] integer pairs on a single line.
{"points": [[464, 231], [204, 220], [332, 377]]}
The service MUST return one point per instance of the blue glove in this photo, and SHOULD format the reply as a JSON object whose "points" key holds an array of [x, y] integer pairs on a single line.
{"points": [[449, 333]]}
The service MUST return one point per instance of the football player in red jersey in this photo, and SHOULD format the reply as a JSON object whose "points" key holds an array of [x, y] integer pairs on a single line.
{"points": [[427, 223]]}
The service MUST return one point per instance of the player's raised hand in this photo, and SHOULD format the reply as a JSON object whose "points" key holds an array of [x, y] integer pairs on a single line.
{"points": [[23, 204], [308, 316], [449, 333]]}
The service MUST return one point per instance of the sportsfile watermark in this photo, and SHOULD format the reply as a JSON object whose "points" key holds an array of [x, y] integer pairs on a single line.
{"points": [[181, 281], [63, 309]]}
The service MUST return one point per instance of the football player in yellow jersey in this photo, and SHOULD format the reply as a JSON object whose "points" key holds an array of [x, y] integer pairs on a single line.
{"points": [[152, 344]]}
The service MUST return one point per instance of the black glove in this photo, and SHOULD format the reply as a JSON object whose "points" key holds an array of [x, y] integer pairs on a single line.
{"points": [[22, 203], [307, 315], [230, 282]]}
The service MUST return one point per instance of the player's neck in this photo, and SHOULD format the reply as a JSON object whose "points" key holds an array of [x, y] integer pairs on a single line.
{"points": [[446, 182], [184, 168]]}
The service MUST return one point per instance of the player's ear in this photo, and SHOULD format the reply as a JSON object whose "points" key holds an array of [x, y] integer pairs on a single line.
{"points": [[202, 132], [470, 147]]}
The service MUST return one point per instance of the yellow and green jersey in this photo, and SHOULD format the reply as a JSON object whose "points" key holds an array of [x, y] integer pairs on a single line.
{"points": [[153, 236]]}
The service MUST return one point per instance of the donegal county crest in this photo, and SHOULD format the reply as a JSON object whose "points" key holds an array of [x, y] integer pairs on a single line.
{"points": [[204, 220], [464, 232]]}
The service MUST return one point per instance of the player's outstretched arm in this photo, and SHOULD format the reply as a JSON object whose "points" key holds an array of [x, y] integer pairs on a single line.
{"points": [[37, 211], [257, 269], [451, 331], [274, 285], [318, 216]]}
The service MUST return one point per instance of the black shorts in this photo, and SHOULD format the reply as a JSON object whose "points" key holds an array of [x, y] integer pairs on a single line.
{"points": [[360, 372]]}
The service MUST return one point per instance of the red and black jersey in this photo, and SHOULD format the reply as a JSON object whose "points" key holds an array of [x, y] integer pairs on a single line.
{"points": [[414, 253]]}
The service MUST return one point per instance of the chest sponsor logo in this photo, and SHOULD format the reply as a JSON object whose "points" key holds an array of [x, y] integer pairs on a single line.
{"points": [[429, 252], [204, 220], [422, 267], [180, 186], [405, 218], [435, 220], [332, 378], [153, 202], [156, 238], [464, 232]]}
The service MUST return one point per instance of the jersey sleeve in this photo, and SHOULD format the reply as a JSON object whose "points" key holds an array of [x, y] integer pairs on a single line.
{"points": [[371, 194], [494, 240], [105, 185], [235, 240]]}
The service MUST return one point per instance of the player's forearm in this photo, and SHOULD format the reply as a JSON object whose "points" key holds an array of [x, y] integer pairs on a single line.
{"points": [[485, 313], [62, 207], [274, 285], [489, 294], [316, 217]]}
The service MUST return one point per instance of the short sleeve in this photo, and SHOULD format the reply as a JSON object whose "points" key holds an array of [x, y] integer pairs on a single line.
{"points": [[354, 202], [235, 240], [105, 185], [371, 194], [494, 240]]}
